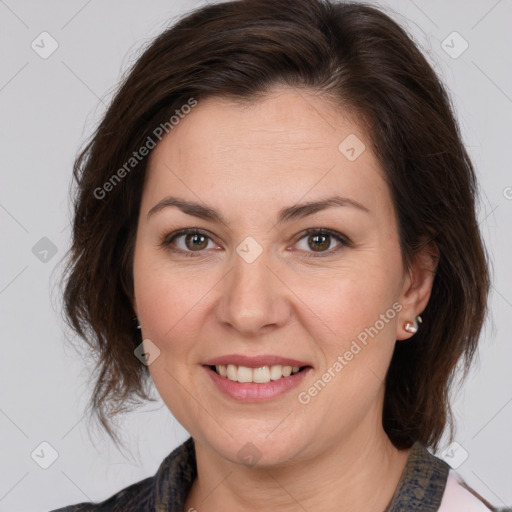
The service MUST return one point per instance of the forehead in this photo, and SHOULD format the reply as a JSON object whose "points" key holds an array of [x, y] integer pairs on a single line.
{"points": [[289, 145]]}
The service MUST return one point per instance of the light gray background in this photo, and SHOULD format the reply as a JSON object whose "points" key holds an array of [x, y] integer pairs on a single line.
{"points": [[49, 106]]}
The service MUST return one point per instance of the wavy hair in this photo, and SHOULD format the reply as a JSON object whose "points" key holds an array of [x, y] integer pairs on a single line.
{"points": [[351, 53]]}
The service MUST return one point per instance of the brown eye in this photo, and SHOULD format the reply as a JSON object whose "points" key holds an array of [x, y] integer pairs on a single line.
{"points": [[196, 241], [187, 241], [321, 241]]}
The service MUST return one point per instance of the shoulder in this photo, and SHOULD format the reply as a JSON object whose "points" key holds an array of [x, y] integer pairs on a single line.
{"points": [[169, 485], [134, 497], [459, 497], [430, 485]]}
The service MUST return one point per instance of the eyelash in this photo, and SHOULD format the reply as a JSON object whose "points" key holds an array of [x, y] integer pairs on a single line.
{"points": [[169, 238]]}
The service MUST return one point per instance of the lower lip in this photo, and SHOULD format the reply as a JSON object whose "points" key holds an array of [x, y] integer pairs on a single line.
{"points": [[253, 392]]}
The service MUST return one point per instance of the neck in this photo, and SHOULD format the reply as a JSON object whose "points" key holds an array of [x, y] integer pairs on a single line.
{"points": [[359, 472]]}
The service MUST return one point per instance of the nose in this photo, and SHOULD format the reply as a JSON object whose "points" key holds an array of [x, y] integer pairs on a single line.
{"points": [[254, 299]]}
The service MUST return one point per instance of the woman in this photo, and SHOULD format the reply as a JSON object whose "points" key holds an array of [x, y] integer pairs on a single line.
{"points": [[275, 223]]}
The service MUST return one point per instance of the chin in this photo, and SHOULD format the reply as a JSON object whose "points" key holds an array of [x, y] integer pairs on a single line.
{"points": [[257, 449]]}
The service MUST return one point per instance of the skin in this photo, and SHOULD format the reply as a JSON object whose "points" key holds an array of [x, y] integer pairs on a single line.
{"points": [[249, 161]]}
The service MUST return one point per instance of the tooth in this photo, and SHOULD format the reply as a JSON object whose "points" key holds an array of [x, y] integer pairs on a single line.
{"points": [[261, 375], [275, 372], [232, 372], [244, 374]]}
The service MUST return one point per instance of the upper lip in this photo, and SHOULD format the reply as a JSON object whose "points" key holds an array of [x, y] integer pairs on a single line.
{"points": [[254, 361]]}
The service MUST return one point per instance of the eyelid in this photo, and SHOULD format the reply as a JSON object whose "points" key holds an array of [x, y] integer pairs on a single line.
{"points": [[168, 238]]}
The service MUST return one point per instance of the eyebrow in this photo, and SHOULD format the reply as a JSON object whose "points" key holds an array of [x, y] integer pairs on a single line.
{"points": [[285, 214]]}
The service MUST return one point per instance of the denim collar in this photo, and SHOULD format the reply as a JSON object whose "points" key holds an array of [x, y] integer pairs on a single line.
{"points": [[422, 484]]}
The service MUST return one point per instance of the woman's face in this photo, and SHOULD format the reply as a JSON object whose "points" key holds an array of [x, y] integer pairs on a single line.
{"points": [[255, 291]]}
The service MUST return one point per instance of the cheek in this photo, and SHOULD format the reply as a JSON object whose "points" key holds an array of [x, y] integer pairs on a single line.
{"points": [[355, 318], [169, 307], [354, 314], [171, 301], [344, 303], [155, 289]]}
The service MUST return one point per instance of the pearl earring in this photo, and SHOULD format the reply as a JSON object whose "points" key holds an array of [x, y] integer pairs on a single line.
{"points": [[410, 327], [413, 327]]}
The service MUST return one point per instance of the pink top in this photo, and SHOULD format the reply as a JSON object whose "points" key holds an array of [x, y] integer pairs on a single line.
{"points": [[457, 498]]}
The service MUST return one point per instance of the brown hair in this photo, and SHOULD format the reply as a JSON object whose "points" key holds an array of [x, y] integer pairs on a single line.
{"points": [[351, 52]]}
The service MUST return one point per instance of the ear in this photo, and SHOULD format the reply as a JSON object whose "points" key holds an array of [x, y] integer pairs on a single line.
{"points": [[417, 287]]}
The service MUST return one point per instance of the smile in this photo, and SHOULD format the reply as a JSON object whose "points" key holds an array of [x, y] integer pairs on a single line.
{"points": [[260, 375], [255, 379]]}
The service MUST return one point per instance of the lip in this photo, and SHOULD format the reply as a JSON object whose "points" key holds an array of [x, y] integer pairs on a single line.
{"points": [[254, 392], [255, 361]]}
